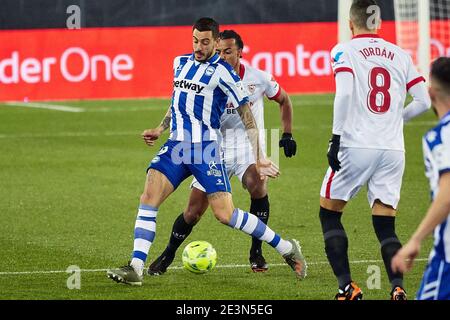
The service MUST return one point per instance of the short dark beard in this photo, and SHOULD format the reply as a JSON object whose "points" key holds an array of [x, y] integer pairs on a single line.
{"points": [[206, 57], [200, 60]]}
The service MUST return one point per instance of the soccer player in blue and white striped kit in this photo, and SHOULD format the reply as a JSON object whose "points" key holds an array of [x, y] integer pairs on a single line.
{"points": [[202, 84], [436, 147]]}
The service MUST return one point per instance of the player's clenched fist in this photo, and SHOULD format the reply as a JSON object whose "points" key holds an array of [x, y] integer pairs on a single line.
{"points": [[151, 135], [289, 145], [333, 151]]}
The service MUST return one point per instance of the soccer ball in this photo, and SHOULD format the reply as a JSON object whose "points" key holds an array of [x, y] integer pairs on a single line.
{"points": [[199, 257]]}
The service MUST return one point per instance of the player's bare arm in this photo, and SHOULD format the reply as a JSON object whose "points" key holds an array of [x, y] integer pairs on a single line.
{"points": [[264, 166], [151, 135], [252, 131], [165, 124], [436, 214], [286, 110], [287, 141]]}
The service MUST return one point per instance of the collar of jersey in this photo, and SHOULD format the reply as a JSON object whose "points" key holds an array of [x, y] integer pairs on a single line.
{"points": [[445, 118], [366, 35], [241, 71], [213, 59]]}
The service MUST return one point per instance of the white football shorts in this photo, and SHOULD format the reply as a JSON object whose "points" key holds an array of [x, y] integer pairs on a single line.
{"points": [[381, 170], [237, 161]]}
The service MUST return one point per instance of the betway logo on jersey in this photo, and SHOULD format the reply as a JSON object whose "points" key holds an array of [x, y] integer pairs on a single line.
{"points": [[185, 84]]}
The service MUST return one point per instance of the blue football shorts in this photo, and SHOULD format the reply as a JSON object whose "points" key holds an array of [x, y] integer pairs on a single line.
{"points": [[436, 280], [178, 160]]}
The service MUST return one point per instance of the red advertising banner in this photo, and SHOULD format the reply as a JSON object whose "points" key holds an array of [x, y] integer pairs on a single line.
{"points": [[97, 63]]}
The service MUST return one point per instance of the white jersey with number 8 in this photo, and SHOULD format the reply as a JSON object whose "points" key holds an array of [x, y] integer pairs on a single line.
{"points": [[382, 75]]}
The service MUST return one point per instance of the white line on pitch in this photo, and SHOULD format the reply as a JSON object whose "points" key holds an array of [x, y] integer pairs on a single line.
{"points": [[224, 266], [133, 133], [45, 106], [126, 109], [70, 134]]}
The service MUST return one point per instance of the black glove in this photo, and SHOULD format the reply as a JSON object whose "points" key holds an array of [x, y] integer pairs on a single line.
{"points": [[332, 154], [288, 143]]}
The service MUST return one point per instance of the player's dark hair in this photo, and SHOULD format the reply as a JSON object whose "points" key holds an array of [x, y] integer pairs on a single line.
{"points": [[359, 15], [207, 24], [440, 71], [231, 34]]}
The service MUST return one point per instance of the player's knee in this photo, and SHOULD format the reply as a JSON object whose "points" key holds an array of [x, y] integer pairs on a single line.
{"points": [[381, 209], [196, 207], [146, 198], [223, 216], [222, 206], [257, 189], [150, 197], [332, 204], [255, 186], [330, 221]]}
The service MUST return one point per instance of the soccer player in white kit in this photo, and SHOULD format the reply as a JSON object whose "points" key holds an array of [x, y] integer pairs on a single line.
{"points": [[436, 150], [372, 78], [239, 160]]}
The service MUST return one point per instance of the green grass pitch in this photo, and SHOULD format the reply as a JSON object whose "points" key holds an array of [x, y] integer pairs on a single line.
{"points": [[70, 185]]}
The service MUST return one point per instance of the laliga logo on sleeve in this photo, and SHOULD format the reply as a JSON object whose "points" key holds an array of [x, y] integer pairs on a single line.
{"points": [[337, 57]]}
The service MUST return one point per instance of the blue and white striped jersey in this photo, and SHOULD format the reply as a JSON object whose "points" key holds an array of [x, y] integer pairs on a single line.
{"points": [[200, 94], [436, 150]]}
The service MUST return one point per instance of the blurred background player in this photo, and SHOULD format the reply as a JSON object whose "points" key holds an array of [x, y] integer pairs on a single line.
{"points": [[202, 84], [372, 78], [436, 148], [238, 160]]}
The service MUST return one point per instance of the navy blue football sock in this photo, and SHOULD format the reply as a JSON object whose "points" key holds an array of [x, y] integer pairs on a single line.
{"points": [[336, 245]]}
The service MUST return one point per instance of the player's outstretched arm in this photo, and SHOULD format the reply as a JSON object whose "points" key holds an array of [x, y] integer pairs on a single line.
{"points": [[151, 135], [287, 141], [437, 213], [265, 167]]}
